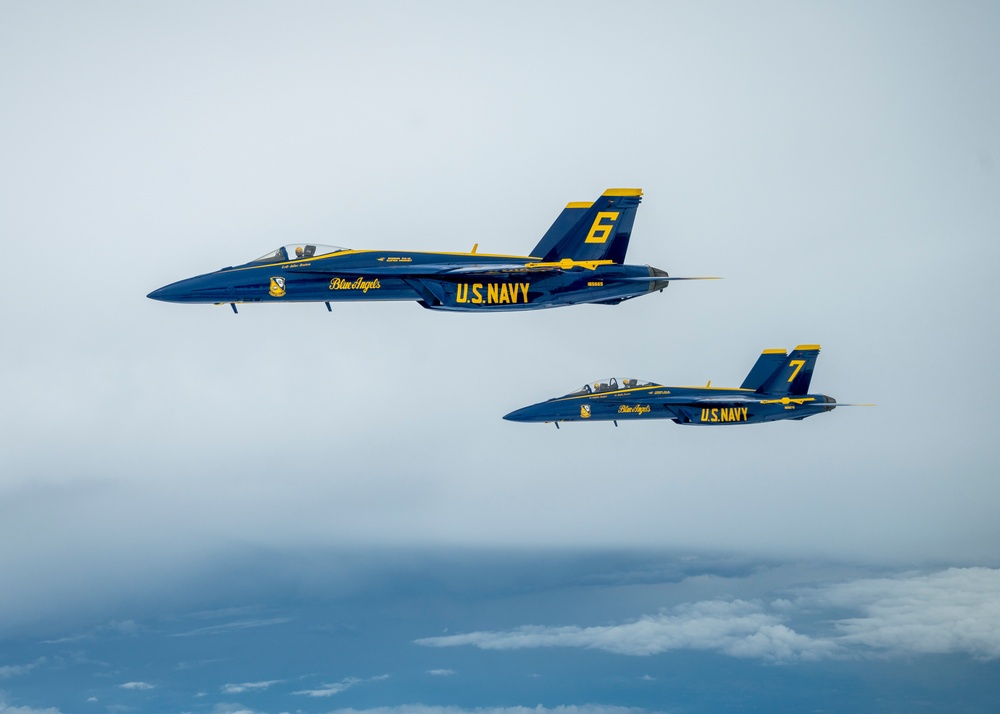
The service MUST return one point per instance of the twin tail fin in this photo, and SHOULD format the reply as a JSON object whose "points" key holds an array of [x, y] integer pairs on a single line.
{"points": [[592, 231], [777, 373]]}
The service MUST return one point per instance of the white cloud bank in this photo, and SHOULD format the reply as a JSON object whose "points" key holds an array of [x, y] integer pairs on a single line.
{"points": [[6, 709], [425, 709], [956, 610], [228, 627], [17, 670], [250, 686], [328, 690], [739, 628], [950, 612]]}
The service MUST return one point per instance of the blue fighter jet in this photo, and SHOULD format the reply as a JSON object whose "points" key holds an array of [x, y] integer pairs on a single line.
{"points": [[580, 259], [776, 388]]}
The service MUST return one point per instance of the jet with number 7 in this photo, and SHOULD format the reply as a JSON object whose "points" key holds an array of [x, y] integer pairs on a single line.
{"points": [[776, 388], [580, 259]]}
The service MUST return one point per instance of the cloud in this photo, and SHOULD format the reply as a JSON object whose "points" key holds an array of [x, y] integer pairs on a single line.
{"points": [[17, 670], [249, 686], [125, 628], [7, 709], [426, 709], [138, 686], [441, 672], [740, 628], [225, 708], [231, 626], [949, 612], [328, 690], [952, 611]]}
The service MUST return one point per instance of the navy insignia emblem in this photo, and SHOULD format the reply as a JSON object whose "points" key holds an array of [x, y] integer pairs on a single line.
{"points": [[585, 411], [277, 287]]}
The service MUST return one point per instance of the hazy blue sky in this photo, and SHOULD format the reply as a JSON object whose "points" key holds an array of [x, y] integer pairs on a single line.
{"points": [[166, 469]]}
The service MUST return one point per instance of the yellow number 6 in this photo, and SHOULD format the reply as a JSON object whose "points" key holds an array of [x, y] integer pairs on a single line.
{"points": [[599, 232]]}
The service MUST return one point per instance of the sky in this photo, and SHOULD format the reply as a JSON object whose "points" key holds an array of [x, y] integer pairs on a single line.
{"points": [[202, 511]]}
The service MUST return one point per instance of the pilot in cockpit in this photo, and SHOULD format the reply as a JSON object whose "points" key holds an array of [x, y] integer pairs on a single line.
{"points": [[298, 252]]}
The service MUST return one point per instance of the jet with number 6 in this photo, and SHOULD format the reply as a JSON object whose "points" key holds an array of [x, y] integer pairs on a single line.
{"points": [[776, 388], [580, 259]]}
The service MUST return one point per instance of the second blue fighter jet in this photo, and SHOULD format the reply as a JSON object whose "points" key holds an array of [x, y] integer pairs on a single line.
{"points": [[580, 259], [776, 388]]}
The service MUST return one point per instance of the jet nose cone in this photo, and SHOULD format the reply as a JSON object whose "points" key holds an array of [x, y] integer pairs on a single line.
{"points": [[522, 414], [201, 288], [535, 413], [175, 292]]}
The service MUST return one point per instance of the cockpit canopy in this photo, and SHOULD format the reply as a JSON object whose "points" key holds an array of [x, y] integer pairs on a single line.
{"points": [[613, 384], [297, 251]]}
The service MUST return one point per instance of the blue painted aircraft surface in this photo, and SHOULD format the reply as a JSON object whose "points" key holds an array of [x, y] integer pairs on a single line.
{"points": [[776, 388], [580, 259]]}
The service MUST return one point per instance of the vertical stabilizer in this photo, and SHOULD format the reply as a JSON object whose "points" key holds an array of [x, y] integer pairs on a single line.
{"points": [[794, 374], [592, 231], [564, 223], [767, 364]]}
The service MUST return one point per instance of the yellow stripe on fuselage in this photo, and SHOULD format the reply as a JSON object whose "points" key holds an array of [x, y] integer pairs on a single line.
{"points": [[569, 264], [721, 389], [648, 389], [342, 253], [610, 391]]}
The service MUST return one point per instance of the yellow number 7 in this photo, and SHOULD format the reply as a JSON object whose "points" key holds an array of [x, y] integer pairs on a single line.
{"points": [[799, 364]]}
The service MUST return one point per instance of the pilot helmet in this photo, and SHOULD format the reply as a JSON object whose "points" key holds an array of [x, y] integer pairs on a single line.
{"points": [[298, 251]]}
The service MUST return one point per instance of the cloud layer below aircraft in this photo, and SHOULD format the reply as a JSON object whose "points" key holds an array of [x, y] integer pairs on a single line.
{"points": [[954, 611]]}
